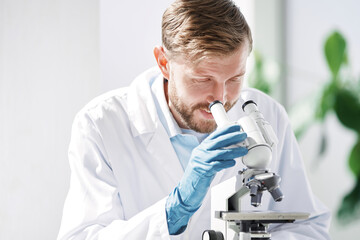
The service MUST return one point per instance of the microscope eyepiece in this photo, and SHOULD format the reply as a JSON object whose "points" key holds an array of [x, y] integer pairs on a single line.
{"points": [[213, 103], [218, 112], [247, 103]]}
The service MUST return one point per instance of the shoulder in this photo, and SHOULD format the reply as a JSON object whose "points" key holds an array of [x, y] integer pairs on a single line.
{"points": [[105, 103], [120, 104], [119, 99]]}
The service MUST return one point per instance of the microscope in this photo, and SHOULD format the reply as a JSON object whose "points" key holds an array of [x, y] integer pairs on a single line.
{"points": [[227, 220]]}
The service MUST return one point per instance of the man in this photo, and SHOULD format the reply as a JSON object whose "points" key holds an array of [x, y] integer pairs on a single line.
{"points": [[144, 157]]}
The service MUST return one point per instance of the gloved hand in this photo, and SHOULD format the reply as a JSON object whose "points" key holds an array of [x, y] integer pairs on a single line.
{"points": [[206, 160]]}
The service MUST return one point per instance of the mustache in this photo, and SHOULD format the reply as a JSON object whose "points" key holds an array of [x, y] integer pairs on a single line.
{"points": [[227, 106]]}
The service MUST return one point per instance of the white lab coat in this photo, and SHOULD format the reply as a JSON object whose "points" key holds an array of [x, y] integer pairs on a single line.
{"points": [[123, 167]]}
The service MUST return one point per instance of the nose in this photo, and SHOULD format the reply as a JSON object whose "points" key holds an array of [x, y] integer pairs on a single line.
{"points": [[219, 92]]}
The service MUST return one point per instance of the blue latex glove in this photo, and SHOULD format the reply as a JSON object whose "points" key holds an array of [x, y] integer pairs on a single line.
{"points": [[206, 160]]}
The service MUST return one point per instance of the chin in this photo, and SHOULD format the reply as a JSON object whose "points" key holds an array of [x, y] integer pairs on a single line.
{"points": [[204, 126]]}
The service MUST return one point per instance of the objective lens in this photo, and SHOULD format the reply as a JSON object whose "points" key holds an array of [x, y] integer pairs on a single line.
{"points": [[253, 190], [277, 194], [256, 200]]}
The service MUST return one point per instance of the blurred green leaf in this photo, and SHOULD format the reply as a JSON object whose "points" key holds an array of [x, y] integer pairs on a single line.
{"points": [[323, 144], [346, 59], [350, 204], [327, 100], [347, 108], [257, 79], [299, 131], [354, 160], [334, 49]]}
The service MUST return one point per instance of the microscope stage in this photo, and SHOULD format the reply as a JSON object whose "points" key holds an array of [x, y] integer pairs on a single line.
{"points": [[262, 216]]}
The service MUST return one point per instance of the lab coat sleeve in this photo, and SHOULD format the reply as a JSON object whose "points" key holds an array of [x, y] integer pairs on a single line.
{"points": [[93, 208], [298, 194]]}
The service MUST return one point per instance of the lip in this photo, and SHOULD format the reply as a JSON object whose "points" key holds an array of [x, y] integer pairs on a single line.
{"points": [[206, 115]]}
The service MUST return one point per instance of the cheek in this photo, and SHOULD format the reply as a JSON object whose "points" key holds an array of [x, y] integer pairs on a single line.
{"points": [[184, 95], [196, 95], [192, 93], [195, 91], [233, 91]]}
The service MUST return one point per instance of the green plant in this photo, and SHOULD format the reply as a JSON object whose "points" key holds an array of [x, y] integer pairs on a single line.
{"points": [[258, 79], [341, 95]]}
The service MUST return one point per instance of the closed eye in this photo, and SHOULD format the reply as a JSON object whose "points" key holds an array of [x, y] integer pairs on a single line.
{"points": [[201, 80], [236, 80]]}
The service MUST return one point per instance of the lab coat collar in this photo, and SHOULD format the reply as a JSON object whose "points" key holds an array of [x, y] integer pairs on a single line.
{"points": [[141, 108], [145, 90]]}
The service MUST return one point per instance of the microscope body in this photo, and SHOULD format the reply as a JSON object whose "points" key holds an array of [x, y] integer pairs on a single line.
{"points": [[227, 220], [261, 137]]}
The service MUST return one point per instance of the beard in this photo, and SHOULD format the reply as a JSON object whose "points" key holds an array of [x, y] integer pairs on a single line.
{"points": [[187, 115]]}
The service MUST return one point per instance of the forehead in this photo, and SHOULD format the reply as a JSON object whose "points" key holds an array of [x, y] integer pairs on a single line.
{"points": [[215, 63]]}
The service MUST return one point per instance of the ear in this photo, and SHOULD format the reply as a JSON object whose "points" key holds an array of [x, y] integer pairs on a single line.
{"points": [[161, 61]]}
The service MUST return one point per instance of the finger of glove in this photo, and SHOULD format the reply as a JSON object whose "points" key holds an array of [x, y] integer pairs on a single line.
{"points": [[220, 165], [217, 166], [226, 140], [224, 130], [227, 154]]}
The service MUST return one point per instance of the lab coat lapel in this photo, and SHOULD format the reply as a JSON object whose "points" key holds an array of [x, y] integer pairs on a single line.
{"points": [[161, 148], [145, 123]]}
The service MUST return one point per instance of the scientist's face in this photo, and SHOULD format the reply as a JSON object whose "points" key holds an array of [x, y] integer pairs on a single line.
{"points": [[192, 87]]}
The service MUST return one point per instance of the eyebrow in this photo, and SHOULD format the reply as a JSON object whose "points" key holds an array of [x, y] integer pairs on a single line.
{"points": [[239, 75], [199, 75]]}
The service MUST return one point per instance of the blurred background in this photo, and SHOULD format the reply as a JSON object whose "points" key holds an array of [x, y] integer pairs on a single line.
{"points": [[57, 55]]}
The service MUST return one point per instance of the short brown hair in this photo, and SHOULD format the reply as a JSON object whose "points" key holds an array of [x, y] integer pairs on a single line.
{"points": [[199, 28]]}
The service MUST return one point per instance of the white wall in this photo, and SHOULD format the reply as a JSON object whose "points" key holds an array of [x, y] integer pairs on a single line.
{"points": [[129, 32], [309, 23], [49, 68]]}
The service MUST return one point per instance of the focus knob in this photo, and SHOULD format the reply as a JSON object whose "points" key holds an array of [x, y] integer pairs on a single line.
{"points": [[212, 235]]}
